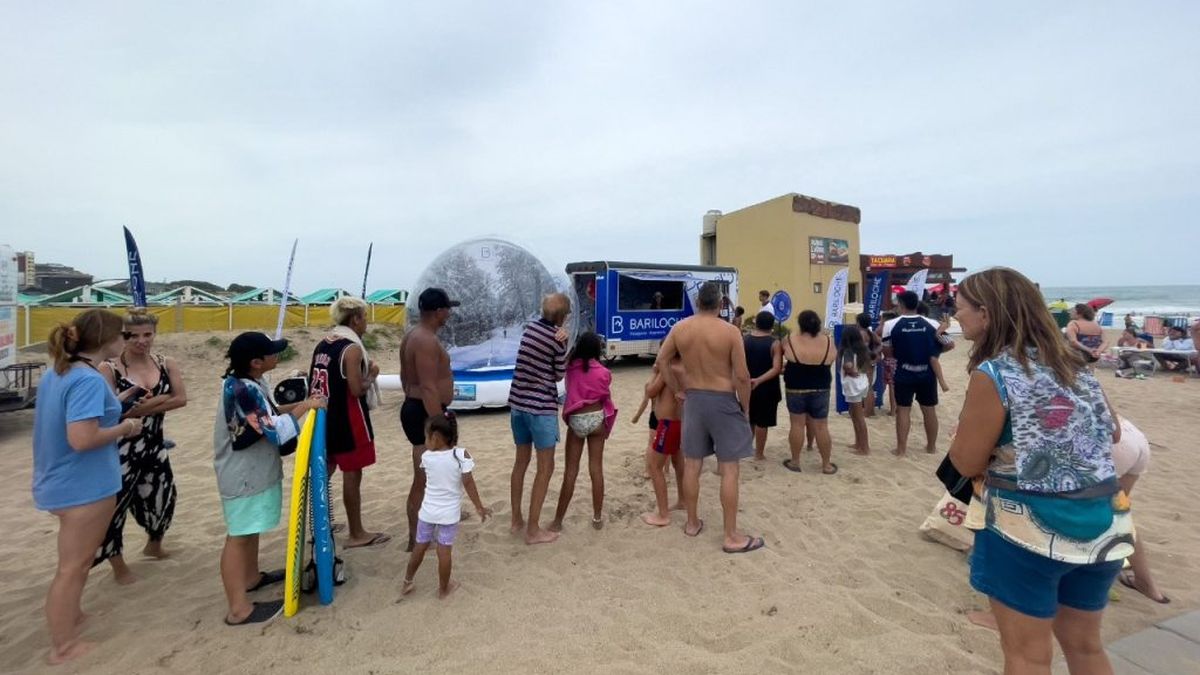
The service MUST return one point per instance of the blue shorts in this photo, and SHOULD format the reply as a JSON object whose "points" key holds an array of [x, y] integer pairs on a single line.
{"points": [[1036, 585], [254, 514], [540, 431], [815, 404]]}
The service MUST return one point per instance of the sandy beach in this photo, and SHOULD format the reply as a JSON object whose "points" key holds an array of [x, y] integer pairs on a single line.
{"points": [[845, 584]]}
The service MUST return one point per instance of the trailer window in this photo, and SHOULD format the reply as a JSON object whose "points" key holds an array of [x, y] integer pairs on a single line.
{"points": [[644, 295]]}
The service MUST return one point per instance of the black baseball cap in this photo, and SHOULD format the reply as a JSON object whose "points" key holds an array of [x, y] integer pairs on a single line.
{"points": [[433, 299], [254, 345]]}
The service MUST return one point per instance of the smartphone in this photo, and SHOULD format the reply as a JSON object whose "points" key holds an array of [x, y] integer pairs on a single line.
{"points": [[132, 396]]}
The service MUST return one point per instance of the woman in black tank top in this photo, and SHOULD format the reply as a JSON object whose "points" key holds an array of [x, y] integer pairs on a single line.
{"points": [[807, 386], [764, 359]]}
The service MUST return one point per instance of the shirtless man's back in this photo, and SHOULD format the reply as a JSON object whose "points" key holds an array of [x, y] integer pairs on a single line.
{"points": [[715, 410]]}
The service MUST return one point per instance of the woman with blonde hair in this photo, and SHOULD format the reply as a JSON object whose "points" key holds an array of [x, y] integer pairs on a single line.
{"points": [[1037, 430], [76, 469], [148, 385]]}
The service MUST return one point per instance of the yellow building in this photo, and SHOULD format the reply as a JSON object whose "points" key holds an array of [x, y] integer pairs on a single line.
{"points": [[792, 243]]}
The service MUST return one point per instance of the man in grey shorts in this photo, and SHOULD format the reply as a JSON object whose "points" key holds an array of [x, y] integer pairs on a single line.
{"points": [[715, 408]]}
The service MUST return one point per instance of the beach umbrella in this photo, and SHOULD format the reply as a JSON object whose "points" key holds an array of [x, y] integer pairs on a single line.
{"points": [[1099, 303]]}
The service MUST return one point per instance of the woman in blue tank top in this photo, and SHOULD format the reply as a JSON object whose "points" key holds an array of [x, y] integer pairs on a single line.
{"points": [[1037, 431]]}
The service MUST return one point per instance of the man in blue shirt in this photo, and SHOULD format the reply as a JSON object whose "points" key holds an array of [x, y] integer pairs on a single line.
{"points": [[914, 342]]}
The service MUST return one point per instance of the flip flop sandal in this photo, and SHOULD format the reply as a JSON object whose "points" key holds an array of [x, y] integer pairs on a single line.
{"points": [[262, 612], [787, 463], [378, 540], [830, 473], [752, 544], [266, 579], [697, 532], [1127, 582]]}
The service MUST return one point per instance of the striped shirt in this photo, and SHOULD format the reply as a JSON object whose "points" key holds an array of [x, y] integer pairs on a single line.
{"points": [[541, 363]]}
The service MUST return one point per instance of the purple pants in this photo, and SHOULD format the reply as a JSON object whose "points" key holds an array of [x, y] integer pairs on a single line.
{"points": [[445, 533]]}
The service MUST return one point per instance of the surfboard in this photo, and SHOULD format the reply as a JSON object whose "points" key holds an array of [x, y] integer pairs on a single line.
{"points": [[322, 536], [297, 513]]}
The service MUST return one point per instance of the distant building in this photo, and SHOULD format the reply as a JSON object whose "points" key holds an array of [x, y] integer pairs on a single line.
{"points": [[26, 270], [793, 243], [53, 278]]}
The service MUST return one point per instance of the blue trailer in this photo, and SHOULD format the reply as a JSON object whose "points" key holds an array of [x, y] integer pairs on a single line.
{"points": [[634, 305]]}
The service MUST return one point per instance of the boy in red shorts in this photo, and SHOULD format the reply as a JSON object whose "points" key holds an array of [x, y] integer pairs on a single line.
{"points": [[668, 408]]}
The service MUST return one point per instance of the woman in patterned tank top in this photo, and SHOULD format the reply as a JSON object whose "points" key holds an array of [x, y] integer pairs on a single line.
{"points": [[1037, 430]]}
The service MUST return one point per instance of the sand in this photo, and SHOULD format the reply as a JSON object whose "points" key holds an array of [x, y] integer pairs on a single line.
{"points": [[845, 583]]}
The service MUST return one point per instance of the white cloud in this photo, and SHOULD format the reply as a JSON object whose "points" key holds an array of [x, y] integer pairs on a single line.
{"points": [[1025, 134]]}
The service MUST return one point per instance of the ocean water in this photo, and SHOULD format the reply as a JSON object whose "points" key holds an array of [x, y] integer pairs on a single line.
{"points": [[1157, 300]]}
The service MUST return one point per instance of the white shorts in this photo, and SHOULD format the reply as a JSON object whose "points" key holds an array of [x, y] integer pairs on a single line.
{"points": [[855, 389], [1132, 454]]}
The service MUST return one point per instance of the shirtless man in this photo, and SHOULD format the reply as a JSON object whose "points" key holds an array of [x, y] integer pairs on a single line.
{"points": [[666, 444], [428, 387], [716, 408]]}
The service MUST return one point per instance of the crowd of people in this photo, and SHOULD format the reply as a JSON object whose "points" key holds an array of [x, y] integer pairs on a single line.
{"points": [[1055, 512]]}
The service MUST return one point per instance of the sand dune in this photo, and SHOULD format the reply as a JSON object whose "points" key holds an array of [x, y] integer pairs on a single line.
{"points": [[845, 584]]}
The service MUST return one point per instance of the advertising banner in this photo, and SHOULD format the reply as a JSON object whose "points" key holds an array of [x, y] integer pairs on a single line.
{"points": [[916, 283], [835, 299], [781, 303], [137, 276], [877, 288], [825, 251]]}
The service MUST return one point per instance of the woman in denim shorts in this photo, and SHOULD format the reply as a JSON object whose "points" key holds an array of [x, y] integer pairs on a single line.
{"points": [[807, 379]]}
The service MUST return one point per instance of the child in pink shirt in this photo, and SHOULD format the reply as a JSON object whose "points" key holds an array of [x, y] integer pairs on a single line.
{"points": [[590, 414]]}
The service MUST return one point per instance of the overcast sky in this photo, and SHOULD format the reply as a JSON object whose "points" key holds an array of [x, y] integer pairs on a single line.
{"points": [[1059, 138]]}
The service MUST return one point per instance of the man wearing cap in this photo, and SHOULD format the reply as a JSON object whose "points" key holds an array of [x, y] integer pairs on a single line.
{"points": [[533, 404], [248, 433], [428, 386], [343, 373], [1177, 340]]}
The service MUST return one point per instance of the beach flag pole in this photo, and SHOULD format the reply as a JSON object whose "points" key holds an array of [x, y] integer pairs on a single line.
{"points": [[367, 271], [287, 290], [137, 276]]}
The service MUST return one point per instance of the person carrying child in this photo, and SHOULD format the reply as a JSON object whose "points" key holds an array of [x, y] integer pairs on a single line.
{"points": [[941, 326], [854, 358], [914, 342], [447, 475]]}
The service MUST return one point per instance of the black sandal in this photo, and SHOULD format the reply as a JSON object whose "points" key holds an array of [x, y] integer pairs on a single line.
{"points": [[266, 579], [262, 612]]}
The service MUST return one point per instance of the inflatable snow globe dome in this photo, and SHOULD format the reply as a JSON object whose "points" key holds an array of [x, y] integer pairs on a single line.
{"points": [[500, 286]]}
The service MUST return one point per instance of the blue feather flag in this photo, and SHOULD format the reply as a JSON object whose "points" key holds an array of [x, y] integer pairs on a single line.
{"points": [[137, 276]]}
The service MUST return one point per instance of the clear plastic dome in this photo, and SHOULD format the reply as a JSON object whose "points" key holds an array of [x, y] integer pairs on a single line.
{"points": [[500, 286]]}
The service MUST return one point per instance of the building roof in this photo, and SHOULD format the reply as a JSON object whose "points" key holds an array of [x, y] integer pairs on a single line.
{"points": [[388, 296], [822, 208], [90, 294], [188, 294], [263, 295], [324, 296]]}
